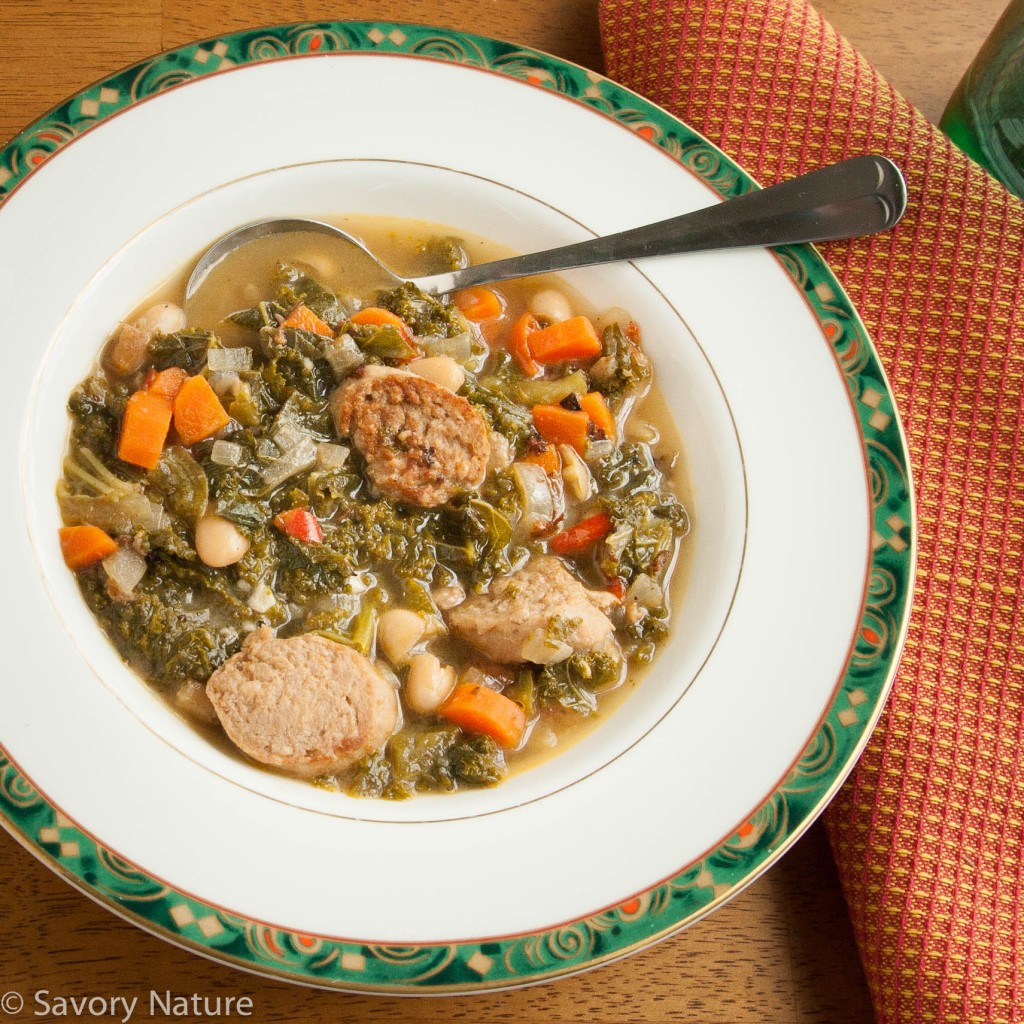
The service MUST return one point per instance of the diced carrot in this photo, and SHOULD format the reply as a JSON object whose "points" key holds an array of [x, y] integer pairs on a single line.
{"points": [[594, 405], [375, 316], [617, 588], [144, 427], [304, 319], [548, 460], [562, 426], [479, 304], [301, 524], [480, 709], [198, 413], [632, 332], [82, 546], [559, 342], [166, 382], [585, 533], [519, 344]]}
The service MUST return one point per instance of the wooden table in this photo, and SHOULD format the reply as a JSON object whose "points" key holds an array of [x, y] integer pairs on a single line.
{"points": [[783, 949]]}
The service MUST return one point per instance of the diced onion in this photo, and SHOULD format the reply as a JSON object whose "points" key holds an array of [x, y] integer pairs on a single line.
{"points": [[538, 499], [289, 436], [542, 649], [551, 392], [125, 567], [219, 359], [344, 355], [224, 383], [289, 430], [331, 456], [116, 514], [644, 596], [262, 598], [575, 473], [359, 583], [615, 543], [598, 450], [295, 460], [647, 592], [226, 453], [459, 348]]}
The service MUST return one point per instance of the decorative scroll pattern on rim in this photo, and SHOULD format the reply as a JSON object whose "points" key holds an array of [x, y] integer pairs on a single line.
{"points": [[612, 932]]}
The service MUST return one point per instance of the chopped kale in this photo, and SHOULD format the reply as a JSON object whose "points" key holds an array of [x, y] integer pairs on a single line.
{"points": [[162, 629], [628, 469], [263, 314], [381, 342], [645, 528], [623, 369], [510, 419], [295, 286], [96, 407], [572, 684], [476, 538], [186, 349], [444, 253], [428, 316], [298, 367], [429, 758]]}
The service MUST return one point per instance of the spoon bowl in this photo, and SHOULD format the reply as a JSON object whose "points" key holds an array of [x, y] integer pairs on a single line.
{"points": [[855, 197]]}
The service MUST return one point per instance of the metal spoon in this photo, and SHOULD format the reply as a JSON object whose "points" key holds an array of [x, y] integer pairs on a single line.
{"points": [[854, 197]]}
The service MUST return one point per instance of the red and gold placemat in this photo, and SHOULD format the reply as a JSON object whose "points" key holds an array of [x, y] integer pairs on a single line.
{"points": [[928, 833]]}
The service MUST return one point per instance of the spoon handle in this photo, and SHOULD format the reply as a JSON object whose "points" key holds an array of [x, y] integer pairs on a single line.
{"points": [[851, 198]]}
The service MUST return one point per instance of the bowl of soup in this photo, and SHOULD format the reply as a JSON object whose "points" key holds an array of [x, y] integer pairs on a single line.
{"points": [[355, 601], [476, 465], [390, 542]]}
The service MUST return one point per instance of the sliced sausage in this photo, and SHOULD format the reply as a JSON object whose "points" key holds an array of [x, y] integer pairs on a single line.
{"points": [[507, 620], [303, 704], [422, 443]]}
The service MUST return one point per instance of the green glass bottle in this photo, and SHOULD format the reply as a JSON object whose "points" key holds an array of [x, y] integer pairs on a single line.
{"points": [[985, 115]]}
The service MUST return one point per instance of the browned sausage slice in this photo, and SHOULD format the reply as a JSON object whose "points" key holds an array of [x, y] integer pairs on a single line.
{"points": [[422, 443], [303, 704], [519, 608]]}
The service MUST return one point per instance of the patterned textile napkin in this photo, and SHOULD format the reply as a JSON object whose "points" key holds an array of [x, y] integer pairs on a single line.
{"points": [[928, 833]]}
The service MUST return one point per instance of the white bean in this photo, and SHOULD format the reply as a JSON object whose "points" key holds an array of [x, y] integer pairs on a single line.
{"points": [[398, 632], [162, 318], [441, 370], [428, 683], [641, 430], [550, 304], [612, 315], [219, 542], [191, 697]]}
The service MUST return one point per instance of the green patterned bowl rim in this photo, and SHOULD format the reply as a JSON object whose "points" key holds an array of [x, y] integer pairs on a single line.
{"points": [[66, 847]]}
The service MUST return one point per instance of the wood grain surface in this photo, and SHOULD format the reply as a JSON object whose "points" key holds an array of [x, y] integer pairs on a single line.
{"points": [[782, 950]]}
